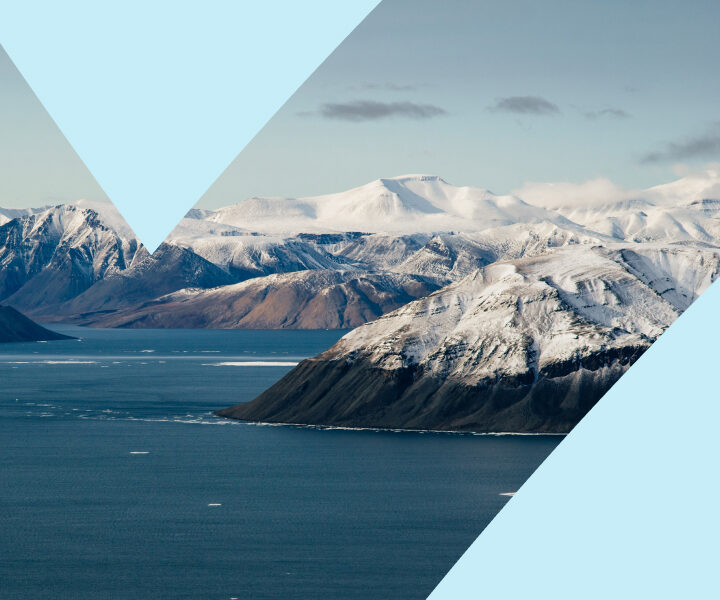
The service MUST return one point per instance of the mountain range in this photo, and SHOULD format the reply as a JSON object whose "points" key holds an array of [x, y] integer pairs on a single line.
{"points": [[472, 310], [526, 345]]}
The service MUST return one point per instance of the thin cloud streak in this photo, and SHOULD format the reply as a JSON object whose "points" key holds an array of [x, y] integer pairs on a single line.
{"points": [[371, 110], [388, 86], [703, 146], [525, 105], [610, 113]]}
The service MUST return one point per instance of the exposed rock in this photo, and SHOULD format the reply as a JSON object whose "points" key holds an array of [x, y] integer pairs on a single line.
{"points": [[51, 256], [526, 346], [169, 269], [302, 300]]}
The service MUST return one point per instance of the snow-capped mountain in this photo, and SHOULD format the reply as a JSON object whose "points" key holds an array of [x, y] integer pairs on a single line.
{"points": [[169, 269], [8, 214], [52, 255], [420, 224], [527, 345], [407, 204], [414, 225], [511, 312], [684, 210], [65, 262], [413, 204]]}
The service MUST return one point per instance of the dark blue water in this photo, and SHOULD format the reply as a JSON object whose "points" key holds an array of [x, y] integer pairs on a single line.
{"points": [[304, 513]]}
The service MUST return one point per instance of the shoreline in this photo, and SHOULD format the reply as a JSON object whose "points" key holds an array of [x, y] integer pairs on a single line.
{"points": [[389, 429]]}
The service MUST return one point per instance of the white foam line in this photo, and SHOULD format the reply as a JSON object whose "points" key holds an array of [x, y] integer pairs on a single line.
{"points": [[52, 362], [252, 363], [394, 430], [139, 452]]}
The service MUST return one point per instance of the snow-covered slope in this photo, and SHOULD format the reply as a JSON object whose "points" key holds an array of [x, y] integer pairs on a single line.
{"points": [[684, 210], [8, 214], [523, 345], [55, 254], [246, 255], [109, 215], [407, 204], [420, 224], [169, 269], [413, 225], [545, 296]]}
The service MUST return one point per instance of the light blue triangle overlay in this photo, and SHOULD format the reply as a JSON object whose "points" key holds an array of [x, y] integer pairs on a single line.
{"points": [[157, 98], [628, 504]]}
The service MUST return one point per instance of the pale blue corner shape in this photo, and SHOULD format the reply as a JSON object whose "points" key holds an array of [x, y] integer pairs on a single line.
{"points": [[158, 97], [627, 506]]}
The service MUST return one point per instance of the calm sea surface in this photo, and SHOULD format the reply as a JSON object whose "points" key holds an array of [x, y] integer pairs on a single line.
{"points": [[116, 482]]}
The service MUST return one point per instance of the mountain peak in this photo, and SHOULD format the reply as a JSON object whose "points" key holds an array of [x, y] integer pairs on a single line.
{"points": [[411, 203], [414, 177]]}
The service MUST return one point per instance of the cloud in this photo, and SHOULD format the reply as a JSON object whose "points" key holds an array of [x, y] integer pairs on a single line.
{"points": [[525, 105], [705, 145], [601, 192], [371, 110], [595, 192], [610, 113], [389, 86]]}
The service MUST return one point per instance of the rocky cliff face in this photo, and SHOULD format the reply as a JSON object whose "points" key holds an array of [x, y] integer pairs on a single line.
{"points": [[527, 345], [169, 269], [52, 256]]}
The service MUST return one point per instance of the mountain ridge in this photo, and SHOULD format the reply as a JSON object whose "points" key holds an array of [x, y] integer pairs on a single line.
{"points": [[472, 311], [527, 345]]}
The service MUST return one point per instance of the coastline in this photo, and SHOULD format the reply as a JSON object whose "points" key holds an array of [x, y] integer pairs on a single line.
{"points": [[390, 429]]}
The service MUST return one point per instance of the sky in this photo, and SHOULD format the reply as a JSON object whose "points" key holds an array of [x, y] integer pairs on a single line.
{"points": [[37, 165], [488, 93]]}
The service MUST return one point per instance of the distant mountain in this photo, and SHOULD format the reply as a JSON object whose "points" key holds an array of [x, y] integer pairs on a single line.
{"points": [[51, 256], [16, 327], [527, 345], [312, 299], [63, 262], [512, 312], [407, 204], [169, 269], [8, 214], [81, 263], [685, 210]]}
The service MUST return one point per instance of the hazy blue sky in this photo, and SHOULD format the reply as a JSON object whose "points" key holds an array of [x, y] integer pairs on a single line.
{"points": [[37, 165], [486, 93]]}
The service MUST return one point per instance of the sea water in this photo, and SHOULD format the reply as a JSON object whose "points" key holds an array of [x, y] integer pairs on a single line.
{"points": [[116, 481]]}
